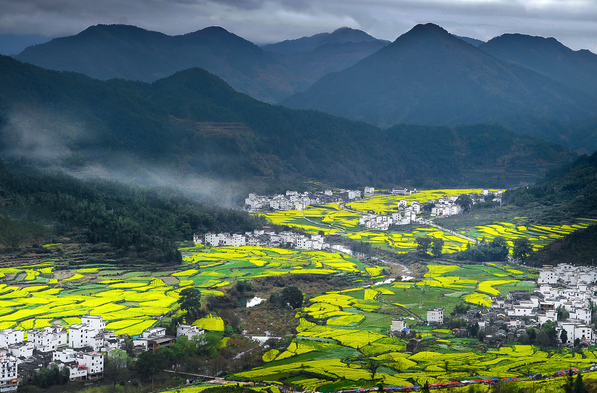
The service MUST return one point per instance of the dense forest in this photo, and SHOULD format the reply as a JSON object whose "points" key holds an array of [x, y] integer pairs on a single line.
{"points": [[38, 206]]}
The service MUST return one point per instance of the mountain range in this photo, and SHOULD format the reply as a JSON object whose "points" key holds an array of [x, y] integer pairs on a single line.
{"points": [[192, 126], [128, 52], [428, 76], [531, 85]]}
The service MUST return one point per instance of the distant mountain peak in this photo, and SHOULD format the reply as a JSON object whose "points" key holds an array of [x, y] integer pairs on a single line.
{"points": [[428, 27], [424, 34], [305, 44]]}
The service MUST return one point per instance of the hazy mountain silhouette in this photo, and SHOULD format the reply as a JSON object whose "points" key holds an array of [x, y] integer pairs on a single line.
{"points": [[306, 44], [129, 52], [428, 76], [549, 57]]}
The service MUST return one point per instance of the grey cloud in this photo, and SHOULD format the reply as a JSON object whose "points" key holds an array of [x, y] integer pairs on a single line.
{"points": [[261, 21]]}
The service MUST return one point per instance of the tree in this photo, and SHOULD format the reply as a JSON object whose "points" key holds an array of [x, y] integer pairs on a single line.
{"points": [[437, 247], [548, 336], [292, 296], [523, 248], [473, 329], [190, 301], [569, 385], [423, 244], [592, 308], [425, 388], [148, 364], [562, 313], [564, 336], [532, 334], [116, 364], [465, 202], [498, 249], [372, 365], [579, 386]]}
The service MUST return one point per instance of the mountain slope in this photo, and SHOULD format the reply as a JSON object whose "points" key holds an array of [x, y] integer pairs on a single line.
{"points": [[427, 76], [472, 41], [306, 44], [549, 57], [192, 126], [564, 194]]}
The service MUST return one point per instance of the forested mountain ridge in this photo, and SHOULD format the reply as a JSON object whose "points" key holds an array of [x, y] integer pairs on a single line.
{"points": [[570, 189], [193, 123], [428, 76]]}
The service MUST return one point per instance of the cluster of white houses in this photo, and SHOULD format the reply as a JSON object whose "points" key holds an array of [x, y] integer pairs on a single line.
{"points": [[383, 222], [294, 200], [564, 289], [80, 349], [265, 238]]}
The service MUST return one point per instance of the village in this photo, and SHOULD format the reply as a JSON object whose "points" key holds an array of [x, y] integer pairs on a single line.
{"points": [[81, 349], [564, 296], [405, 214]]}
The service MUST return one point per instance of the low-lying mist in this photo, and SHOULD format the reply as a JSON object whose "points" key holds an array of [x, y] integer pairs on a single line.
{"points": [[59, 143]]}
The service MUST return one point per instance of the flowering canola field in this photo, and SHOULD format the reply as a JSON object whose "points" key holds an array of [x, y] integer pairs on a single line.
{"points": [[38, 295], [341, 332], [331, 219]]}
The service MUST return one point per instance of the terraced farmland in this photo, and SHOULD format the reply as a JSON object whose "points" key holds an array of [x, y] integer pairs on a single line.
{"points": [[130, 302], [331, 219], [342, 333]]}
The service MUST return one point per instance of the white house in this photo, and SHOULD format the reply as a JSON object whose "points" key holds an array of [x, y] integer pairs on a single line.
{"points": [[584, 332], [154, 332], [65, 355], [435, 315], [22, 349], [583, 314], [369, 190], [11, 336], [8, 373], [76, 372], [94, 322], [548, 276], [94, 361], [398, 325], [82, 335], [48, 339], [188, 330]]}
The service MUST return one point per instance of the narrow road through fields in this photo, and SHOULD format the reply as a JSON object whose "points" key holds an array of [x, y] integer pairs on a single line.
{"points": [[431, 223], [327, 225]]}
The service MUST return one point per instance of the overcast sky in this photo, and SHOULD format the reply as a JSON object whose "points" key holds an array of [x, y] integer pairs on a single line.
{"points": [[572, 22]]}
